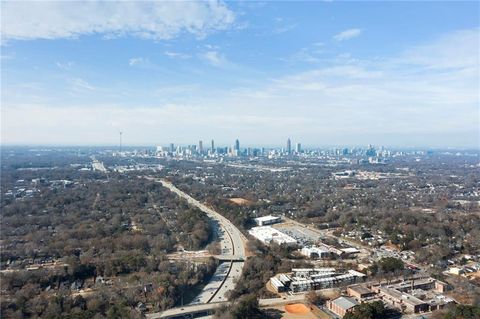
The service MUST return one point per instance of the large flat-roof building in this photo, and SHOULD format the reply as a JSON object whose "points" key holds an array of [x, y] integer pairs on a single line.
{"points": [[267, 220], [315, 252], [267, 234], [360, 292], [401, 299], [304, 279], [416, 295]]}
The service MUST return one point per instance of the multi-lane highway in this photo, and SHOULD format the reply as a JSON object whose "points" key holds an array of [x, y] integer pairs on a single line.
{"points": [[232, 247], [206, 310]]}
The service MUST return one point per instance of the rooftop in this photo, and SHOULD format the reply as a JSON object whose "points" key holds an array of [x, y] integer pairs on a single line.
{"points": [[266, 218], [267, 234], [345, 302], [406, 298], [360, 289]]}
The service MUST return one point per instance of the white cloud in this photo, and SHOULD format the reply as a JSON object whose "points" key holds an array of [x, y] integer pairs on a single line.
{"points": [[460, 49], [65, 65], [136, 61], [284, 28], [399, 100], [177, 55], [158, 20], [80, 85], [143, 63], [215, 58], [347, 34]]}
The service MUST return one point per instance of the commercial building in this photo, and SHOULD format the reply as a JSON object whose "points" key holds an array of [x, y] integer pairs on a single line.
{"points": [[360, 292], [341, 305], [402, 300], [298, 148], [350, 251], [416, 295], [315, 252], [419, 283], [267, 234], [267, 220]]}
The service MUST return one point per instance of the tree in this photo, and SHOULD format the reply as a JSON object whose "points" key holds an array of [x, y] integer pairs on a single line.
{"points": [[372, 310], [118, 311], [463, 312], [247, 307], [391, 264], [315, 298]]}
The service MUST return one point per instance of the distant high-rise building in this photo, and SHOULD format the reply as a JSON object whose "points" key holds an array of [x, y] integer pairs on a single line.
{"points": [[371, 151], [289, 146], [237, 145], [200, 147], [298, 148], [213, 146], [172, 147]]}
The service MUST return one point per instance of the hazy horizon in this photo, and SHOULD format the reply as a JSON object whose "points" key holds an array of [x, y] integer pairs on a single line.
{"points": [[206, 145], [397, 74]]}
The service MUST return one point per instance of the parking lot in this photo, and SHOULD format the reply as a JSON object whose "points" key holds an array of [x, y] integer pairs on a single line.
{"points": [[302, 234]]}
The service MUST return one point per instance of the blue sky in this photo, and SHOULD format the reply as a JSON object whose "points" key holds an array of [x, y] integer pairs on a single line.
{"points": [[322, 73]]}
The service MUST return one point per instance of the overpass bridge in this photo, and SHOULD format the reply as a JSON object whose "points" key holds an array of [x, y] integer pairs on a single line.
{"points": [[192, 311], [229, 257], [205, 310]]}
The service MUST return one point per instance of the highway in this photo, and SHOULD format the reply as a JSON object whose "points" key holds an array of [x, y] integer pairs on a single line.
{"points": [[205, 310], [232, 243]]}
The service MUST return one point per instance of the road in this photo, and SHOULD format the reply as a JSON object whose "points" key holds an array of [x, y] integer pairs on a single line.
{"points": [[204, 310], [232, 242]]}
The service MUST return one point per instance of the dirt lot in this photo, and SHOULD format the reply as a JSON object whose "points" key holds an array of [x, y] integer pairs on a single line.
{"points": [[241, 201], [295, 311]]}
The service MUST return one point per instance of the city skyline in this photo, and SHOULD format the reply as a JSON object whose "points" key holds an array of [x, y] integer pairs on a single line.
{"points": [[351, 74]]}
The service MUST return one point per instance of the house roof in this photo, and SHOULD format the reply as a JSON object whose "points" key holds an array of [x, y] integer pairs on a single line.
{"points": [[345, 302]]}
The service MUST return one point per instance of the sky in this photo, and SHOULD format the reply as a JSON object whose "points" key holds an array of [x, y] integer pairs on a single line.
{"points": [[323, 73]]}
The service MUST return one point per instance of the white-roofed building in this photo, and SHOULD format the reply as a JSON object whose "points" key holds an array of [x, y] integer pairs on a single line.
{"points": [[304, 279], [315, 252], [267, 234], [277, 285], [350, 250], [285, 279], [267, 220]]}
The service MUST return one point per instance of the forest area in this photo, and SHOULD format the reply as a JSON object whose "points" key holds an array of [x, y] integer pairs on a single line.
{"points": [[84, 244]]}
